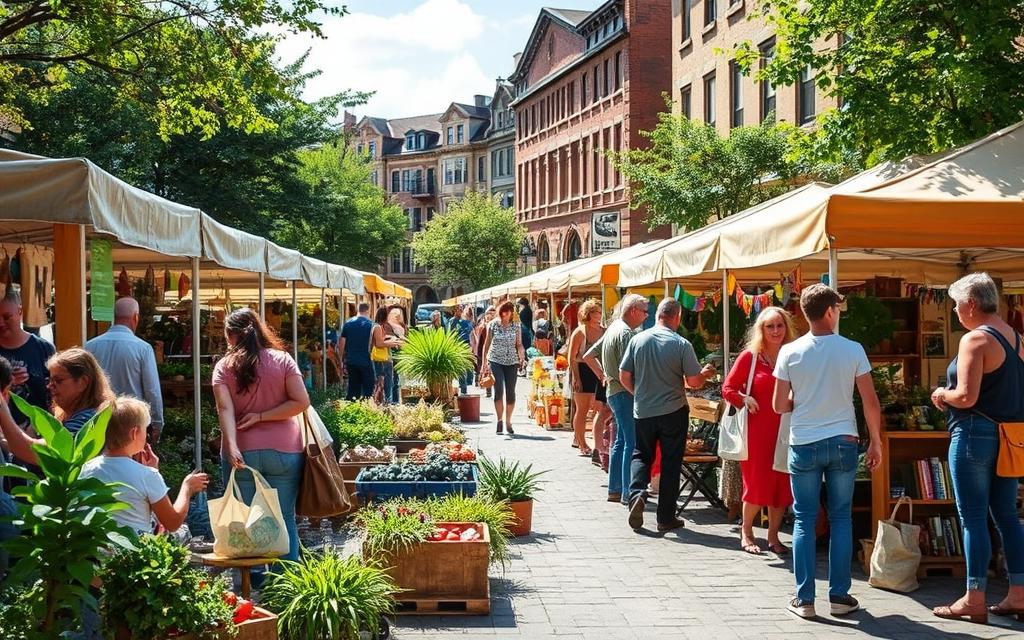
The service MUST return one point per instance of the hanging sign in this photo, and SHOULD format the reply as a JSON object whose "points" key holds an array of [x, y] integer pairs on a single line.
{"points": [[605, 231], [101, 267]]}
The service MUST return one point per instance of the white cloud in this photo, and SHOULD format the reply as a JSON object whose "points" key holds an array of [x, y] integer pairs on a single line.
{"points": [[417, 61]]}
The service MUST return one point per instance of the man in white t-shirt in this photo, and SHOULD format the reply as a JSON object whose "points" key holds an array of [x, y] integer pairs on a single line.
{"points": [[815, 377]]}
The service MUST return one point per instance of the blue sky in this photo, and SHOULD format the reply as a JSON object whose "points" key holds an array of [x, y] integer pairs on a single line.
{"points": [[419, 55]]}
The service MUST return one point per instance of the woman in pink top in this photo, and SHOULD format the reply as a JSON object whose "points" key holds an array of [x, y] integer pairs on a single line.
{"points": [[260, 391]]}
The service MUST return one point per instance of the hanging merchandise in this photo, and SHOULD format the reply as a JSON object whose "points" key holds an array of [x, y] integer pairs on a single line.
{"points": [[15, 267], [36, 284], [5, 269], [183, 286], [927, 295], [124, 284], [167, 280]]}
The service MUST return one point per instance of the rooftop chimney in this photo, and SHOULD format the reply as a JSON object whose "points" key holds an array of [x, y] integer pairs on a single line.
{"points": [[349, 121], [515, 59]]}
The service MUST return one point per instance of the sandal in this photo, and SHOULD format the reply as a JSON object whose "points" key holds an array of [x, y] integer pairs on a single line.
{"points": [[778, 549], [947, 613], [1000, 610], [752, 548]]}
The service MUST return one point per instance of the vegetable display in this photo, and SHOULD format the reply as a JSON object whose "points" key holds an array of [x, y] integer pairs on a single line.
{"points": [[455, 451], [437, 466], [454, 533]]}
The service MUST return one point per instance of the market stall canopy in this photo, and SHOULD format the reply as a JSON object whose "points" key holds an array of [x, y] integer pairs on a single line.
{"points": [[232, 248]]}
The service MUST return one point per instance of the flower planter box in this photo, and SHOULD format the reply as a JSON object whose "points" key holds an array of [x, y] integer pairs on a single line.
{"points": [[384, 489], [263, 627], [442, 577], [405, 446]]}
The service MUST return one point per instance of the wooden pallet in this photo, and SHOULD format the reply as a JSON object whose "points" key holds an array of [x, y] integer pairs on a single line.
{"points": [[442, 607]]}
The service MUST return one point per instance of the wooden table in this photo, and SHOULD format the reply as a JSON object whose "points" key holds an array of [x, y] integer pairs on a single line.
{"points": [[244, 566]]}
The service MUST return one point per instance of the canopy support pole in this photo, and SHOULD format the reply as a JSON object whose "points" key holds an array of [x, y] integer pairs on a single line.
{"points": [[666, 288], [604, 303], [197, 383], [295, 321], [725, 321], [263, 298], [323, 335], [833, 271], [69, 285]]}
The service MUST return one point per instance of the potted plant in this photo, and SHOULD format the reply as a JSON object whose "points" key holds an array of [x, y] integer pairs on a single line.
{"points": [[512, 483], [327, 597], [436, 357]]}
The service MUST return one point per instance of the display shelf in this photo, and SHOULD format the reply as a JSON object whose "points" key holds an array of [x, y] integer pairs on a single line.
{"points": [[925, 503], [951, 560], [916, 435]]}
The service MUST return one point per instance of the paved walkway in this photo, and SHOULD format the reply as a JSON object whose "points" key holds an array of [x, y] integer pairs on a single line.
{"points": [[584, 574]]}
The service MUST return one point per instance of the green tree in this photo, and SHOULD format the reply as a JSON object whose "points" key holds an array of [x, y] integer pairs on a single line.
{"points": [[348, 219], [197, 62], [915, 76], [474, 243], [689, 174]]}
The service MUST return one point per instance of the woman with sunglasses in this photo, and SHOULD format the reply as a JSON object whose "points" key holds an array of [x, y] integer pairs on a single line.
{"points": [[505, 356], [78, 387]]}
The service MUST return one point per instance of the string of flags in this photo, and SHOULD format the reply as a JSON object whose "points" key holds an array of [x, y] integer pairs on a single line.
{"points": [[927, 294], [749, 302]]}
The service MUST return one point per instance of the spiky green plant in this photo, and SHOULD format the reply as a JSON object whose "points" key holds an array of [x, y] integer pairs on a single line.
{"points": [[461, 508], [508, 480], [435, 356], [394, 525], [327, 596]]}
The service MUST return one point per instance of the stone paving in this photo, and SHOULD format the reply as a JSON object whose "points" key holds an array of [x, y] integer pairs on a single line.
{"points": [[584, 574]]}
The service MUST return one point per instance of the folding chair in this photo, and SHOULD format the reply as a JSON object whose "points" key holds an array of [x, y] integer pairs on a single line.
{"points": [[696, 472]]}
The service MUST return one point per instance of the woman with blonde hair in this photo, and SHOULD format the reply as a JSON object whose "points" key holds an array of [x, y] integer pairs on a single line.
{"points": [[762, 485], [586, 377], [78, 387]]}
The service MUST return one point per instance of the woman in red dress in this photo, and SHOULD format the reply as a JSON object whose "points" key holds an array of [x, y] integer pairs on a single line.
{"points": [[762, 485]]}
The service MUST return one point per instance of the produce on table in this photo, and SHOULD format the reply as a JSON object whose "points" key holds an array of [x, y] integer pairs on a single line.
{"points": [[367, 453], [454, 533], [436, 466], [455, 451]]}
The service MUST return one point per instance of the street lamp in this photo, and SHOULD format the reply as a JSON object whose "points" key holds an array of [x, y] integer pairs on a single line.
{"points": [[526, 251]]}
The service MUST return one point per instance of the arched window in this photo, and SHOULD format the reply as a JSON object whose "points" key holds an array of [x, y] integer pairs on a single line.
{"points": [[573, 247], [543, 252]]}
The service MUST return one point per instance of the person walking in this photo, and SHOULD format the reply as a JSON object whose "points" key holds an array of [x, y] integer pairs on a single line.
{"points": [[355, 349], [130, 362], [526, 321], [585, 377], [610, 349], [656, 367], [381, 344], [815, 378], [763, 486], [399, 329], [260, 392], [986, 379], [504, 357], [481, 339], [464, 327]]}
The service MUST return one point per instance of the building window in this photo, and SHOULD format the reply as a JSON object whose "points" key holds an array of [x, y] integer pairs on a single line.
{"points": [[396, 263], [451, 135], [430, 213], [709, 98], [460, 136], [394, 182], [607, 78], [409, 220], [584, 90], [410, 142], [767, 88], [805, 96], [685, 106], [430, 180], [618, 70], [373, 149], [421, 141], [417, 219], [597, 86], [710, 11], [685, 17], [480, 177], [455, 171], [407, 260], [359, 148], [736, 94], [551, 48]]}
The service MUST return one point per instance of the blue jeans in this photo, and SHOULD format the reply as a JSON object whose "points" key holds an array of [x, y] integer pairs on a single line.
{"points": [[283, 471], [465, 380], [621, 405], [835, 459], [973, 449], [396, 389], [386, 370]]}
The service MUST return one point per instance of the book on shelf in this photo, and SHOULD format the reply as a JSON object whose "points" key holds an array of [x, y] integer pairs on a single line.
{"points": [[925, 479], [941, 537]]}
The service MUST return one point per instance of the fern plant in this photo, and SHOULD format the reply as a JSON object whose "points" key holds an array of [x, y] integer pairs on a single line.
{"points": [[437, 357]]}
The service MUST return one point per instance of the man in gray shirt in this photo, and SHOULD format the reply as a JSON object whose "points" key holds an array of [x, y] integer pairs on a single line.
{"points": [[129, 361], [657, 367], [609, 351]]}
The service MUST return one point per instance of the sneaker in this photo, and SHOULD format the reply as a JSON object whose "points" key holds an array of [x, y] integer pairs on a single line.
{"points": [[500, 428], [636, 513], [803, 609], [508, 429], [843, 605]]}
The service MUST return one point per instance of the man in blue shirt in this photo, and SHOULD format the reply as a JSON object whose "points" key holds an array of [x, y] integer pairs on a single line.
{"points": [[355, 349], [464, 328]]}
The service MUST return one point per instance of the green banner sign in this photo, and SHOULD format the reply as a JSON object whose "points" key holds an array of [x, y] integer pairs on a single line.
{"points": [[102, 281]]}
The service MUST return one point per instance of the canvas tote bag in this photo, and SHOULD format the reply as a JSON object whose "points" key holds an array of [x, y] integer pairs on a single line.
{"points": [[322, 493], [255, 530], [781, 462], [897, 552], [732, 430]]}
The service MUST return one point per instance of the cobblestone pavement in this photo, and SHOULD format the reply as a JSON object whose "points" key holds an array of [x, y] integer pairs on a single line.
{"points": [[584, 574]]}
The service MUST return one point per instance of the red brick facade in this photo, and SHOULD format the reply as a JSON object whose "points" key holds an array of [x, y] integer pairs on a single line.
{"points": [[587, 82]]}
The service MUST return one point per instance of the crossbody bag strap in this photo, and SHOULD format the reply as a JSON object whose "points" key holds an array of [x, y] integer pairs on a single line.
{"points": [[750, 376]]}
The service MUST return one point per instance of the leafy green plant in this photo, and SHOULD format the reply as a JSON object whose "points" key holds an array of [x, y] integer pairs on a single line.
{"points": [[151, 591], [461, 508], [170, 369], [413, 420], [394, 525], [436, 357], [508, 480], [16, 613], [327, 596], [360, 422], [66, 521], [867, 321]]}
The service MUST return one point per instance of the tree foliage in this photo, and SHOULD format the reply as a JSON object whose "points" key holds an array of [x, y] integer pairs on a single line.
{"points": [[690, 175], [915, 76], [198, 62], [475, 243], [349, 219]]}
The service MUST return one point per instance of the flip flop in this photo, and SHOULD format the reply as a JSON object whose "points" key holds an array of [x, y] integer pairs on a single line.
{"points": [[752, 549], [778, 549], [947, 613]]}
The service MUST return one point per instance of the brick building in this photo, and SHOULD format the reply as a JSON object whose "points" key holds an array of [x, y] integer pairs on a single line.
{"points": [[425, 162], [587, 81], [710, 88]]}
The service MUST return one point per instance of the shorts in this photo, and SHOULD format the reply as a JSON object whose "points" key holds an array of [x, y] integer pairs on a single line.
{"points": [[588, 380]]}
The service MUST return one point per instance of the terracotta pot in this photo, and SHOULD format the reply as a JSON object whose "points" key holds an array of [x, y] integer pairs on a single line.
{"points": [[522, 521]]}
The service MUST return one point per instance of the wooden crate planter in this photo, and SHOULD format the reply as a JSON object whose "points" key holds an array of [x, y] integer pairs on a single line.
{"points": [[443, 577], [350, 470], [405, 446], [384, 489]]}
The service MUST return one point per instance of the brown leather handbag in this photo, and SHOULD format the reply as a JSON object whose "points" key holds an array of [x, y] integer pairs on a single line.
{"points": [[1010, 462], [322, 492]]}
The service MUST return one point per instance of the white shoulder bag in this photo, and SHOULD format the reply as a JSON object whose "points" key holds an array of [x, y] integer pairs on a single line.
{"points": [[732, 429]]}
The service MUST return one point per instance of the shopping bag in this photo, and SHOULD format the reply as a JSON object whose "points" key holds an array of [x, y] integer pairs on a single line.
{"points": [[732, 428], [322, 434], [322, 493], [897, 552], [243, 530], [781, 462]]}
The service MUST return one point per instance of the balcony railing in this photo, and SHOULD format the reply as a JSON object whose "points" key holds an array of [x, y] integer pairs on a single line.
{"points": [[418, 187]]}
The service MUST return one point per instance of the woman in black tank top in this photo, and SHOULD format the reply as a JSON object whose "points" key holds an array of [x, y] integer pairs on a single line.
{"points": [[986, 387]]}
